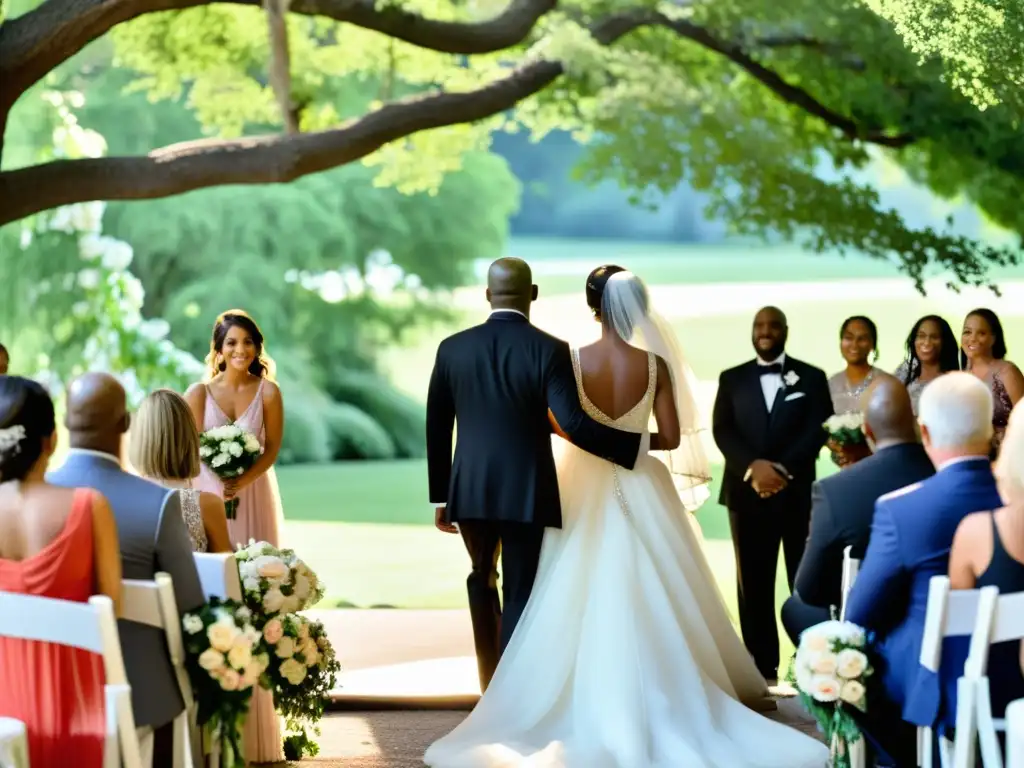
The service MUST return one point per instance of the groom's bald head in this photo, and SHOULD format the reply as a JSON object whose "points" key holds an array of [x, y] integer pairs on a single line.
{"points": [[510, 285]]}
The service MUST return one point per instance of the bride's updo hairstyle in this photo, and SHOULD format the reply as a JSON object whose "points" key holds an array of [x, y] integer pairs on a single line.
{"points": [[262, 365], [596, 281], [27, 426]]}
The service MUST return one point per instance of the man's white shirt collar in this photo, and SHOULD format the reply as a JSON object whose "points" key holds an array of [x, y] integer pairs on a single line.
{"points": [[99, 454], [781, 360], [496, 311]]}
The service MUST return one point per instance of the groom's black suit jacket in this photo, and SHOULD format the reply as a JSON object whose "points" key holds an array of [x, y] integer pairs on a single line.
{"points": [[791, 433], [498, 380]]}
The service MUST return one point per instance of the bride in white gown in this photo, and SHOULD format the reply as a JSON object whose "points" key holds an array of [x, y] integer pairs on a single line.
{"points": [[625, 656]]}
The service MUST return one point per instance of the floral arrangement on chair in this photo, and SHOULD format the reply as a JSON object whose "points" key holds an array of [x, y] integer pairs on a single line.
{"points": [[831, 670], [225, 659], [303, 671], [303, 667], [846, 438]]}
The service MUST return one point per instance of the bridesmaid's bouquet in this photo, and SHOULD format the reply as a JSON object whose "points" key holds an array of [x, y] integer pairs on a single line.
{"points": [[275, 581], [846, 438], [831, 671], [303, 671], [225, 659], [229, 451]]}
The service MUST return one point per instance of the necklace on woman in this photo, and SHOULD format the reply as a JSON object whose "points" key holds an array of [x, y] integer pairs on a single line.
{"points": [[856, 390]]}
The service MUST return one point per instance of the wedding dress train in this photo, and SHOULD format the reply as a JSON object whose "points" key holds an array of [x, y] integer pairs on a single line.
{"points": [[625, 656]]}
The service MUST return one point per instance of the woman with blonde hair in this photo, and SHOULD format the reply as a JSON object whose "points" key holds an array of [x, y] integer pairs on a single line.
{"points": [[164, 448]]}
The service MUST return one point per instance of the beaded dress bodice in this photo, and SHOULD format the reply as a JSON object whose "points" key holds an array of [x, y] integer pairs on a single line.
{"points": [[637, 418]]}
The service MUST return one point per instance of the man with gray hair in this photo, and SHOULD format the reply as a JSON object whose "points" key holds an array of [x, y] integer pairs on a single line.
{"points": [[911, 536], [152, 538]]}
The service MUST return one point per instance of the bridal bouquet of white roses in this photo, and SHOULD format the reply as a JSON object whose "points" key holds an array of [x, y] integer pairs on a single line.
{"points": [[229, 451], [303, 671], [225, 660], [831, 670], [276, 581]]}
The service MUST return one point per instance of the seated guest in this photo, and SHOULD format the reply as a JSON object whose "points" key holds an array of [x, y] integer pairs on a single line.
{"points": [[843, 503], [164, 447], [153, 538], [911, 536], [988, 549], [59, 543]]}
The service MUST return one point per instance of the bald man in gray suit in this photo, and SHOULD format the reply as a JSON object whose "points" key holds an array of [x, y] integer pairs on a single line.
{"points": [[153, 538]]}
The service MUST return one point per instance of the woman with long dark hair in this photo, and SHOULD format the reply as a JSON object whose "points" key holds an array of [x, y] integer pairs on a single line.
{"points": [[239, 390], [983, 353], [932, 350]]}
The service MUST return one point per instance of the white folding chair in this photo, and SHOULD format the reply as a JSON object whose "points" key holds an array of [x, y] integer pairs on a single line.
{"points": [[851, 567], [218, 573], [1000, 619], [91, 627], [152, 603], [1015, 734], [948, 614]]}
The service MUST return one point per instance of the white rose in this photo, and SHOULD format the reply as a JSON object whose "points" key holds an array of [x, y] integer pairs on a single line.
{"points": [[251, 584], [229, 680], [252, 445], [222, 636], [234, 449], [823, 664], [192, 624], [273, 600], [852, 692], [211, 659], [205, 451], [813, 642], [89, 278], [312, 658], [285, 648], [851, 663], [824, 689], [303, 630], [220, 460], [302, 589], [240, 655], [291, 604], [293, 671]]}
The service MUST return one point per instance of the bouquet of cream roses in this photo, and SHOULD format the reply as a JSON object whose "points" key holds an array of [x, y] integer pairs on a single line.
{"points": [[303, 671], [276, 581], [830, 670], [225, 660], [228, 451]]}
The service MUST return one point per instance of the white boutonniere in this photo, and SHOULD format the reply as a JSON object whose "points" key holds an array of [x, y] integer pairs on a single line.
{"points": [[791, 378]]}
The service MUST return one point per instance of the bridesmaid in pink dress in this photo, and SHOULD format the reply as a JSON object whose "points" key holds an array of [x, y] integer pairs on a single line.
{"points": [[59, 543], [240, 392]]}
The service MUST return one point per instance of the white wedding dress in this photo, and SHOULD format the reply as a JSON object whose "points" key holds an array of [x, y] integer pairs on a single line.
{"points": [[625, 656]]}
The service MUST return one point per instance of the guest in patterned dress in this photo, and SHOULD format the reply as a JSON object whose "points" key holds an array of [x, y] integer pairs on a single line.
{"points": [[983, 353], [60, 543], [932, 350], [164, 448]]}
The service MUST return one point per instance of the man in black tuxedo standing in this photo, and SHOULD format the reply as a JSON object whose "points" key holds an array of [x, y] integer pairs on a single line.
{"points": [[843, 504], [767, 422], [498, 380]]}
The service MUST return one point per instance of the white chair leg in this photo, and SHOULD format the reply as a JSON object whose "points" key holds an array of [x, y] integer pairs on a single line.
{"points": [[966, 723], [924, 748], [991, 754], [111, 740], [128, 738]]}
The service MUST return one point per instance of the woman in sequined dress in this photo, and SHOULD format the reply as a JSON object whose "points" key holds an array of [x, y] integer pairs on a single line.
{"points": [[983, 353]]}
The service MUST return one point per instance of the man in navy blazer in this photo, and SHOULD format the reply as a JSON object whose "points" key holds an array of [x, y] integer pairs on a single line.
{"points": [[911, 536]]}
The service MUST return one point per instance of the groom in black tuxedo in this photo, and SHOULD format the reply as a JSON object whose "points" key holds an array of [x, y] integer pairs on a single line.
{"points": [[498, 380], [768, 423]]}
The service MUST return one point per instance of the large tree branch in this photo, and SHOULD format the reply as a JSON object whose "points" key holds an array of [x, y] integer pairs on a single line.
{"points": [[33, 44], [280, 159]]}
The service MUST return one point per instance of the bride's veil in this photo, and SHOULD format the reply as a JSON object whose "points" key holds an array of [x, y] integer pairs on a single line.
{"points": [[626, 306]]}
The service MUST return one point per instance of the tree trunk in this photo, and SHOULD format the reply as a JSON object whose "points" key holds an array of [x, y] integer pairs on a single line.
{"points": [[280, 62]]}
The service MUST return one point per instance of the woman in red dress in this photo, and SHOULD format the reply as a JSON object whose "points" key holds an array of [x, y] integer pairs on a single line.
{"points": [[59, 543]]}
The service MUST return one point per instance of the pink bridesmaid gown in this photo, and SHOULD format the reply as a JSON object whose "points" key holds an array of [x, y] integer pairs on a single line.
{"points": [[257, 517], [55, 690]]}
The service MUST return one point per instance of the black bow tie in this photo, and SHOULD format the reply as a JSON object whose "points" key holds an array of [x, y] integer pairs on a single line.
{"points": [[774, 368]]}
